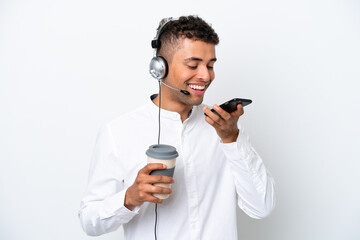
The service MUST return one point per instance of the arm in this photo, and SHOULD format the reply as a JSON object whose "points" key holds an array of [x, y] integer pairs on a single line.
{"points": [[254, 184], [107, 204], [102, 209]]}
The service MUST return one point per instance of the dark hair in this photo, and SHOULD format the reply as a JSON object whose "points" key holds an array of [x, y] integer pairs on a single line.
{"points": [[192, 27]]}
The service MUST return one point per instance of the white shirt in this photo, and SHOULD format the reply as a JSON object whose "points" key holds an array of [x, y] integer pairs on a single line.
{"points": [[211, 178]]}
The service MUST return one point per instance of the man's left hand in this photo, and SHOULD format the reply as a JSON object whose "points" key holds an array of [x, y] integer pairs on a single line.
{"points": [[225, 123]]}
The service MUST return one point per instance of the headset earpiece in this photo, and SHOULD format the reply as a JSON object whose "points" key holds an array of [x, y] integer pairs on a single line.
{"points": [[158, 67]]}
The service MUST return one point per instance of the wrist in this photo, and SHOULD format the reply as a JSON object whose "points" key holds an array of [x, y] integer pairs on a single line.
{"points": [[231, 138], [127, 201]]}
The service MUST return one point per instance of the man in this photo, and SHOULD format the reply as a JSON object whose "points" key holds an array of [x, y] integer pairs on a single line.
{"points": [[217, 168]]}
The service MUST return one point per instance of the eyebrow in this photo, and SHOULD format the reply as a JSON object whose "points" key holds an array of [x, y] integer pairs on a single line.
{"points": [[198, 59]]}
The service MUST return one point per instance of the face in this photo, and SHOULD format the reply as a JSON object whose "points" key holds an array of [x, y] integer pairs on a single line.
{"points": [[191, 69]]}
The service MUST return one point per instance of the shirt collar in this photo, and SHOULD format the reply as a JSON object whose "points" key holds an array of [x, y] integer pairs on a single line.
{"points": [[166, 113]]}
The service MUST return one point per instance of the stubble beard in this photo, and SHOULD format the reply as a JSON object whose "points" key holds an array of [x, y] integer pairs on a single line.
{"points": [[188, 100]]}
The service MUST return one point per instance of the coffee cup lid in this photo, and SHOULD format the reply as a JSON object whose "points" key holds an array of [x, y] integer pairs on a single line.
{"points": [[162, 151]]}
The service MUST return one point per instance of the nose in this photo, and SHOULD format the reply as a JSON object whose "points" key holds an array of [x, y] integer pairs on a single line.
{"points": [[205, 74]]}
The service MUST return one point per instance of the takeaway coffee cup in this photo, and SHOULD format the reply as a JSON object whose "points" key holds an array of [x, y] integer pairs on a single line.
{"points": [[165, 154]]}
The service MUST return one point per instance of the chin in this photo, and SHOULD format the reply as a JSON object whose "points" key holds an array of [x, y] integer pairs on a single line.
{"points": [[196, 102]]}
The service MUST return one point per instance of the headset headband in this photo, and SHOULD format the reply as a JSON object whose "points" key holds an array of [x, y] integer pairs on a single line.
{"points": [[156, 44]]}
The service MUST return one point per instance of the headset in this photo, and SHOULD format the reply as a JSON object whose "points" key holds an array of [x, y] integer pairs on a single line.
{"points": [[159, 67]]}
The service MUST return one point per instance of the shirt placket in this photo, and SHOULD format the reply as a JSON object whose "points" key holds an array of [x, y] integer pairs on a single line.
{"points": [[191, 182]]}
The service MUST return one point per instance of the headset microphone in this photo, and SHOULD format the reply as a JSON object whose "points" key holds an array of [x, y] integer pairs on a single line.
{"points": [[182, 91]]}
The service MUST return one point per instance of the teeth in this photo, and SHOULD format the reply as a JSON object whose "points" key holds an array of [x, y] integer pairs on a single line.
{"points": [[197, 87]]}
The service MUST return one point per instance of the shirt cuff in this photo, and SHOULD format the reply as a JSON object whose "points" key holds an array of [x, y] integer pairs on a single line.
{"points": [[115, 206]]}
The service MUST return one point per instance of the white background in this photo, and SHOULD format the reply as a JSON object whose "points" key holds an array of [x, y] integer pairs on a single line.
{"points": [[67, 67]]}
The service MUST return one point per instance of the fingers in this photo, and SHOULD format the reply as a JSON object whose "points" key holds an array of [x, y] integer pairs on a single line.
{"points": [[239, 111], [148, 197], [146, 192], [146, 182], [213, 118], [216, 119], [148, 188], [151, 179], [151, 198], [145, 186], [151, 167], [225, 123], [225, 115]]}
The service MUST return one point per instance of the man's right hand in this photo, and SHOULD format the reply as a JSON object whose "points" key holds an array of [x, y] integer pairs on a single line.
{"points": [[142, 189]]}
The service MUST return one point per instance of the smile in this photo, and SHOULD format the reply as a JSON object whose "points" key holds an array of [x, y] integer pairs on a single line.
{"points": [[197, 87]]}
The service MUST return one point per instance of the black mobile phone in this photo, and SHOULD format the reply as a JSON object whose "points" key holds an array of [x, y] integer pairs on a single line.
{"points": [[231, 105]]}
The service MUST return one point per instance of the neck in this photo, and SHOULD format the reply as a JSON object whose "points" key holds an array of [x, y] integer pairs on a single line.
{"points": [[170, 104]]}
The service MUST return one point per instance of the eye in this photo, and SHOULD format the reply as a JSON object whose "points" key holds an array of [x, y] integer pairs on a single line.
{"points": [[210, 67], [192, 67]]}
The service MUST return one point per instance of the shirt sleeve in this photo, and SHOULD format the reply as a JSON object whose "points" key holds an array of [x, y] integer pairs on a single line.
{"points": [[253, 182], [102, 208]]}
